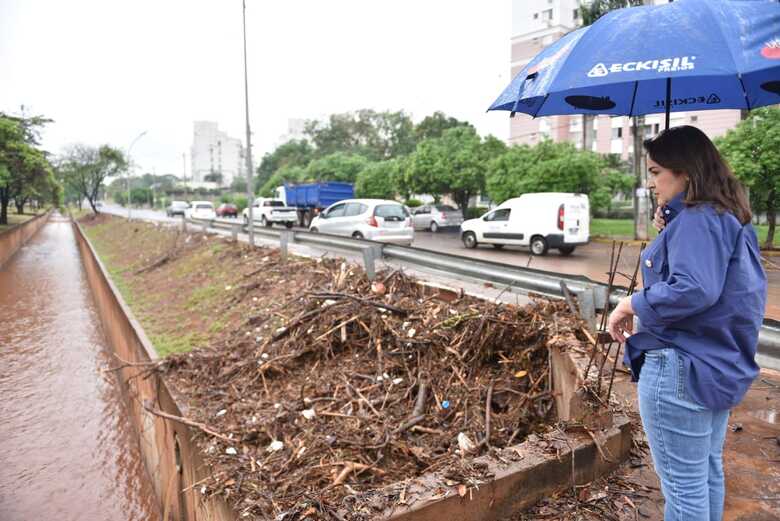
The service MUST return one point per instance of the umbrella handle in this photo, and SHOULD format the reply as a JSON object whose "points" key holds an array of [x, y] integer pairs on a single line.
{"points": [[668, 100]]}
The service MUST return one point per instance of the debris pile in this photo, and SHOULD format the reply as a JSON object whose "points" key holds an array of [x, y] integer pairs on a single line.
{"points": [[364, 385]]}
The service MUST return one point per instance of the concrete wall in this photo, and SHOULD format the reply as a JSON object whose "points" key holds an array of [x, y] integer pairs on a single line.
{"points": [[173, 462], [14, 238]]}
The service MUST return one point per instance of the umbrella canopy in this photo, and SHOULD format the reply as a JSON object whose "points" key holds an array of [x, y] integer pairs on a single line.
{"points": [[683, 56]]}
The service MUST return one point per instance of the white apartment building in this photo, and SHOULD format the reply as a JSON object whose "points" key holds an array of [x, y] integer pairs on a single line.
{"points": [[537, 24], [213, 151]]}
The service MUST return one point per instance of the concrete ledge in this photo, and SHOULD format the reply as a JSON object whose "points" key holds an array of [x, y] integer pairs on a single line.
{"points": [[172, 461], [14, 238], [518, 485]]}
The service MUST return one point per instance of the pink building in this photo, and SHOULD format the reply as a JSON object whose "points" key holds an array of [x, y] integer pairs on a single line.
{"points": [[538, 23]]}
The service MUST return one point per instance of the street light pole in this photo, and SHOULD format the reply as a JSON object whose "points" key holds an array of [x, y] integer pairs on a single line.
{"points": [[129, 163], [249, 194]]}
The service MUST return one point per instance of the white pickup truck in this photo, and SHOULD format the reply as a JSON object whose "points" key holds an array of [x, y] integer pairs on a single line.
{"points": [[270, 211]]}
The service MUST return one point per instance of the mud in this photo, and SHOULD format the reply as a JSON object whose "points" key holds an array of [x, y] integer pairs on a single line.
{"points": [[68, 449]]}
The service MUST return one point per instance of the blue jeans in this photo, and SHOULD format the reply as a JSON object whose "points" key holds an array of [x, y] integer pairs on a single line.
{"points": [[686, 440]]}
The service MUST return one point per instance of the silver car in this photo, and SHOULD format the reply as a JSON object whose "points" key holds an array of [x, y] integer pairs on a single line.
{"points": [[374, 219], [432, 217]]}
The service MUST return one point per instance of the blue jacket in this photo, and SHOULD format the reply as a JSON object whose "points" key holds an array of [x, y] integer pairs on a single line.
{"points": [[704, 295]]}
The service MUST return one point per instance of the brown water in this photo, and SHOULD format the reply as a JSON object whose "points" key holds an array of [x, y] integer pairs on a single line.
{"points": [[67, 450]]}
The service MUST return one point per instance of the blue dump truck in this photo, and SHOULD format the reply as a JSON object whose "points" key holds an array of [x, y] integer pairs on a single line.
{"points": [[311, 198]]}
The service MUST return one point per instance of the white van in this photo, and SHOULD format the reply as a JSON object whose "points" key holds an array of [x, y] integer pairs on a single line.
{"points": [[541, 221]]}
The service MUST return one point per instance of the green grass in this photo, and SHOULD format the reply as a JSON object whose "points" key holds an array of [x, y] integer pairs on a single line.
{"points": [[624, 229], [166, 344], [203, 296], [14, 219]]}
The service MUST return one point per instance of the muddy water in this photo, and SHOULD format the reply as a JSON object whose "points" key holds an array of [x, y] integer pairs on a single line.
{"points": [[66, 447]]}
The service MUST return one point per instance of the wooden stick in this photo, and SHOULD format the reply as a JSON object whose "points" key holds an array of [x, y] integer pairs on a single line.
{"points": [[188, 422], [488, 408]]}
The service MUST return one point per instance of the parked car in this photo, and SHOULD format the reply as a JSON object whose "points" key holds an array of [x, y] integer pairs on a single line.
{"points": [[540, 221], [269, 211], [201, 210], [433, 217], [374, 219], [176, 208], [227, 210]]}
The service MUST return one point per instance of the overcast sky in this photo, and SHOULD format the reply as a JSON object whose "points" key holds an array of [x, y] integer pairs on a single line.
{"points": [[106, 70]]}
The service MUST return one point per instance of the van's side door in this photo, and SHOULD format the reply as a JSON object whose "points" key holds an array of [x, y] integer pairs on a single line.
{"points": [[496, 228]]}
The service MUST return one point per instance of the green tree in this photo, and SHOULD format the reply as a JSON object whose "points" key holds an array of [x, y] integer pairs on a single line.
{"points": [[546, 167], [453, 164], [25, 171], [238, 185], [433, 126], [296, 152], [374, 135], [85, 168], [338, 166], [286, 174], [379, 180], [213, 177], [753, 151], [592, 11]]}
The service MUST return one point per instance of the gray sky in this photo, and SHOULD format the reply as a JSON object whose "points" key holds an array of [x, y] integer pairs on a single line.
{"points": [[106, 70]]}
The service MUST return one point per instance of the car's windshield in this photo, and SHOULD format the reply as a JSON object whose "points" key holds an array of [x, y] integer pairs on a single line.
{"points": [[205, 206], [275, 203], [445, 208]]}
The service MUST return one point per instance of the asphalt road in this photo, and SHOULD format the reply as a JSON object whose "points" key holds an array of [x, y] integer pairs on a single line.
{"points": [[591, 260]]}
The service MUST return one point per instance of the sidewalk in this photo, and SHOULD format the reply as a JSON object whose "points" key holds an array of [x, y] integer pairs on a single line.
{"points": [[751, 456]]}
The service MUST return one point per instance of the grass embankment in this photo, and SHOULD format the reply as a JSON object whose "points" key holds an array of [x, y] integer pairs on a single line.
{"points": [[624, 229], [177, 284]]}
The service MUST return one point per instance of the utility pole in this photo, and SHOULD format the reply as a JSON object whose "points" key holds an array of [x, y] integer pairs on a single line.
{"points": [[129, 167], [249, 191], [184, 172]]}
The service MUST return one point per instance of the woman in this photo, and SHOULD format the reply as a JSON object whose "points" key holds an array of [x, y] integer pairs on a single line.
{"points": [[699, 313]]}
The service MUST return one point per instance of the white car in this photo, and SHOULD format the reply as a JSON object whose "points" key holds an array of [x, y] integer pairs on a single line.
{"points": [[270, 211], [435, 216], [540, 221], [374, 219], [200, 210]]}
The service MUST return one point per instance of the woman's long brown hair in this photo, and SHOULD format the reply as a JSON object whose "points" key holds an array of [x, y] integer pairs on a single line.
{"points": [[688, 150]]}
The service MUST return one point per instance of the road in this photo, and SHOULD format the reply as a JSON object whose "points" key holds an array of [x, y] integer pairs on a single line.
{"points": [[591, 260]]}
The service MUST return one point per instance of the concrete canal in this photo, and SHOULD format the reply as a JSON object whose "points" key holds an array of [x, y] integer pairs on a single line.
{"points": [[68, 448]]}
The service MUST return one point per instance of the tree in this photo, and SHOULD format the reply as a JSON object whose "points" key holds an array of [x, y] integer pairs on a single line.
{"points": [[286, 174], [592, 11], [296, 152], [453, 164], [238, 185], [338, 166], [379, 180], [374, 135], [24, 169], [546, 167], [85, 169], [753, 151], [433, 126], [213, 177]]}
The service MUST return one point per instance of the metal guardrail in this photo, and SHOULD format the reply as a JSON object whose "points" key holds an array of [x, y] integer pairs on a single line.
{"points": [[591, 294]]}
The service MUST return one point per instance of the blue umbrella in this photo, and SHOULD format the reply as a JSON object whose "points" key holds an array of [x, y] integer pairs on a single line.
{"points": [[683, 56]]}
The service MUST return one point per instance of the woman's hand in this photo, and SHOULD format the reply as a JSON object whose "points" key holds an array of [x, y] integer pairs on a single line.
{"points": [[621, 321], [658, 219]]}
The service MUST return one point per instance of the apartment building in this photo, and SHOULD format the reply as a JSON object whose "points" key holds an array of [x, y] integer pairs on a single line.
{"points": [[214, 152], [537, 24]]}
